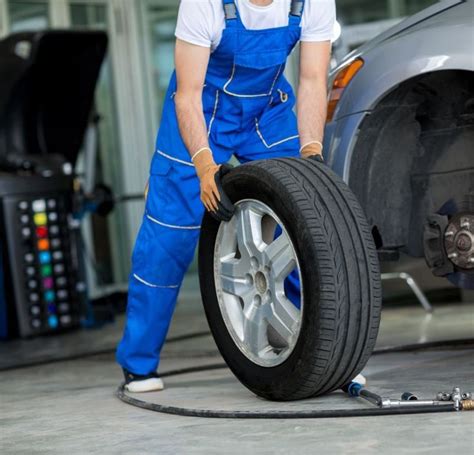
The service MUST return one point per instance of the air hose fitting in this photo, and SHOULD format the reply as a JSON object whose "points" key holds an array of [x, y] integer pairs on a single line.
{"points": [[467, 405], [456, 400]]}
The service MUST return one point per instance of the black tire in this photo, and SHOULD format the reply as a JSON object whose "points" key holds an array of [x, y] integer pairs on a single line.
{"points": [[339, 269]]}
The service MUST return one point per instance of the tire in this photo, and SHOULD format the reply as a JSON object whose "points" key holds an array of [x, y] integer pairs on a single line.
{"points": [[337, 262]]}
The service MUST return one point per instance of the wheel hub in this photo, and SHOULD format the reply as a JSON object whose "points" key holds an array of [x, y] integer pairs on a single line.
{"points": [[260, 283], [253, 257], [459, 241]]}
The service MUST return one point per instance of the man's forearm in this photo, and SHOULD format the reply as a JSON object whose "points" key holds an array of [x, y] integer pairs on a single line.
{"points": [[312, 110], [191, 121]]}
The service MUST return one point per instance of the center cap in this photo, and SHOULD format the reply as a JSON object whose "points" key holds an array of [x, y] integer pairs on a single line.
{"points": [[260, 283], [463, 242]]}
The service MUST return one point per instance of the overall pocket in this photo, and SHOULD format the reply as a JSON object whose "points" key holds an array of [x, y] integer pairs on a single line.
{"points": [[156, 200], [174, 195], [255, 74], [278, 126], [210, 103], [273, 136], [160, 165]]}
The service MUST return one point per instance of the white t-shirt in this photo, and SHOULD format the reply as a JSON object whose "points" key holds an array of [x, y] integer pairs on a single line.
{"points": [[201, 22]]}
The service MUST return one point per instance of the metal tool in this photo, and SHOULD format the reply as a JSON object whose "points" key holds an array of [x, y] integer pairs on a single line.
{"points": [[457, 399], [461, 400], [410, 281]]}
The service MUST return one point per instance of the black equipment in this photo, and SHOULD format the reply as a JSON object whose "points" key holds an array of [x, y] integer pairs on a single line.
{"points": [[47, 84]]}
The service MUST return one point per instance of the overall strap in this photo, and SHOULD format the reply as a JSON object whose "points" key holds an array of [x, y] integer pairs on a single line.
{"points": [[296, 11], [232, 18]]}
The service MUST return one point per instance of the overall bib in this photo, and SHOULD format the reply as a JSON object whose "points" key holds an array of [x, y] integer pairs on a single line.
{"points": [[248, 107]]}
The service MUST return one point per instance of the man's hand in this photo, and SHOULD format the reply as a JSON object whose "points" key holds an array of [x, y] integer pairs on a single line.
{"points": [[209, 192], [213, 196], [312, 150], [225, 208], [318, 157]]}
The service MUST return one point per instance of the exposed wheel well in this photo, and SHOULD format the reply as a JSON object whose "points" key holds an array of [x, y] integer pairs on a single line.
{"points": [[414, 152]]}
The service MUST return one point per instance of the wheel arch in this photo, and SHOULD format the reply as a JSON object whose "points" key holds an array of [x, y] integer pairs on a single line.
{"points": [[413, 142], [429, 47]]}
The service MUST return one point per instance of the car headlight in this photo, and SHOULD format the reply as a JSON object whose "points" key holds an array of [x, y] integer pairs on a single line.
{"points": [[340, 83]]}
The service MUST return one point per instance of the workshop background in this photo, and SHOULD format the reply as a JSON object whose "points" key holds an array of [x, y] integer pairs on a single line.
{"points": [[130, 93], [57, 391]]}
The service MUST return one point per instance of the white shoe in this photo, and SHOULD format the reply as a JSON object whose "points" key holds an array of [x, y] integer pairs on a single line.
{"points": [[360, 379], [137, 384]]}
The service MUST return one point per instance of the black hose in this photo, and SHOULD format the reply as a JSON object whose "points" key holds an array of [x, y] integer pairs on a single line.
{"points": [[372, 397], [388, 350], [129, 197], [310, 414], [462, 342], [84, 355]]}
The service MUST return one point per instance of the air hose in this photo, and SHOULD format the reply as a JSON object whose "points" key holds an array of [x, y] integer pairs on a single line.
{"points": [[83, 355], [93, 353], [309, 414], [393, 407]]}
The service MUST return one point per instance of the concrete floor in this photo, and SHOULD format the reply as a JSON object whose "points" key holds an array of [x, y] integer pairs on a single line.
{"points": [[69, 407]]}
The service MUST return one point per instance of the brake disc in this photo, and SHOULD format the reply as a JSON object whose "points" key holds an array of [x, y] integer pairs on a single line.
{"points": [[458, 240]]}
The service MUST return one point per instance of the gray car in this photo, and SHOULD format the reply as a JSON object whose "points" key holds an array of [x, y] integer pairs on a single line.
{"points": [[400, 132]]}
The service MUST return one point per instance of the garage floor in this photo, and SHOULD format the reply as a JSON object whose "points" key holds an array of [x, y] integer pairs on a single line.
{"points": [[69, 406]]}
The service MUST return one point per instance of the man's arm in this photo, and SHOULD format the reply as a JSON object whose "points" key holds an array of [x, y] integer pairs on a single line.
{"points": [[312, 95], [191, 67]]}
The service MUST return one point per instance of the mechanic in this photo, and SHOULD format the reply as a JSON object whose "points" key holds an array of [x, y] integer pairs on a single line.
{"points": [[228, 96]]}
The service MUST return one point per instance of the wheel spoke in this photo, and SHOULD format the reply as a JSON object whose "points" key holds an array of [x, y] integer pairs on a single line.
{"points": [[236, 268], [234, 279], [249, 231], [283, 317], [255, 333], [234, 286], [280, 257]]}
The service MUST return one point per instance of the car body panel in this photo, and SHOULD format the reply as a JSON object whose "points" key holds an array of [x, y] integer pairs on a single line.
{"points": [[394, 60], [339, 140], [405, 24]]}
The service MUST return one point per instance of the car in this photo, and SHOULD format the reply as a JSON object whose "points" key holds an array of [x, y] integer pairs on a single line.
{"points": [[400, 132]]}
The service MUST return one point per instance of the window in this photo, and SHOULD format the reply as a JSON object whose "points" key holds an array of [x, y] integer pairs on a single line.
{"points": [[361, 11], [28, 15]]}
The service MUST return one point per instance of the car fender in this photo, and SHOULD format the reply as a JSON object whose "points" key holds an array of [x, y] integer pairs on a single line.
{"points": [[433, 45], [339, 141], [396, 62]]}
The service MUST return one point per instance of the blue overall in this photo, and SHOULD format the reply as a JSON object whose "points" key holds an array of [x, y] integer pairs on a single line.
{"points": [[248, 106]]}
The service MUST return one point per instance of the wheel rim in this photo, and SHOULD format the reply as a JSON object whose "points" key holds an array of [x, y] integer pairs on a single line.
{"points": [[253, 260]]}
